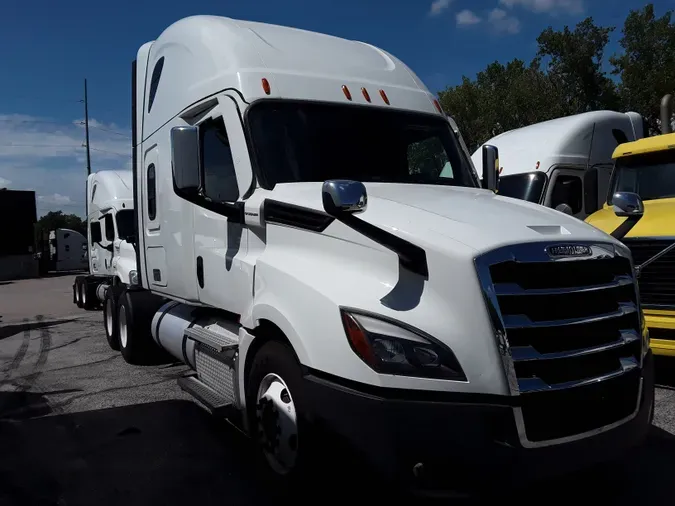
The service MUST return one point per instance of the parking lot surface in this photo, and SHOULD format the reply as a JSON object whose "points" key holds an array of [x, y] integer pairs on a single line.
{"points": [[79, 426]]}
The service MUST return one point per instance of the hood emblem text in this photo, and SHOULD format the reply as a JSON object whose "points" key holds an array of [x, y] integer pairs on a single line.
{"points": [[569, 251]]}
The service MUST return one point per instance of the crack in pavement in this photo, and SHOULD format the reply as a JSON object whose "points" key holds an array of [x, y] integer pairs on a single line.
{"points": [[66, 344], [18, 356], [68, 401]]}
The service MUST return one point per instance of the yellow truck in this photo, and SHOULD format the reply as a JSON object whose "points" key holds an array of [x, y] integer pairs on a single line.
{"points": [[646, 167]]}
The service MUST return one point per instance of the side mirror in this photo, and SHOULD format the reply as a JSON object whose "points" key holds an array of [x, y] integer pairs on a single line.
{"points": [[630, 206], [185, 158], [342, 196], [627, 204], [490, 167]]}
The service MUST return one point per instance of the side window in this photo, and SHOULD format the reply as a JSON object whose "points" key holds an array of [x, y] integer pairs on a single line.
{"points": [[95, 232], [109, 227], [568, 190], [154, 81], [219, 177], [152, 193]]}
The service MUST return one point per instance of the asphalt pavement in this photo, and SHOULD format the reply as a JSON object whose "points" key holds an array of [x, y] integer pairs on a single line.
{"points": [[79, 426]]}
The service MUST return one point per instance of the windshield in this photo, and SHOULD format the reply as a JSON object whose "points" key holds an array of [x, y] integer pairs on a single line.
{"points": [[305, 141], [125, 223], [528, 186], [652, 175]]}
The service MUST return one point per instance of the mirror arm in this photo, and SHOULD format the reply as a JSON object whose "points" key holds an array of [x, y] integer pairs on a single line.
{"points": [[623, 229], [638, 268], [411, 256]]}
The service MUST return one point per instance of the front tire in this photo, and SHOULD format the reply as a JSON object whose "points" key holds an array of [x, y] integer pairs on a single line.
{"points": [[88, 295], [276, 410]]}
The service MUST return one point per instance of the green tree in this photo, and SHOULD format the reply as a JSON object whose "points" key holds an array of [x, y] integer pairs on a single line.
{"points": [[574, 60], [647, 65], [56, 219], [502, 97]]}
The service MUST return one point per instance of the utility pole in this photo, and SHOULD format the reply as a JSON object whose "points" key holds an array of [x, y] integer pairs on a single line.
{"points": [[86, 127]]}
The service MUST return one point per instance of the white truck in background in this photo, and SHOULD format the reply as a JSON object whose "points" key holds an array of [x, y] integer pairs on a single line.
{"points": [[68, 250], [564, 163], [300, 250], [110, 251]]}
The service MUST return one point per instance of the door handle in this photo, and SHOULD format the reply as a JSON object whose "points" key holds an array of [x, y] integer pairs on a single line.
{"points": [[200, 271]]}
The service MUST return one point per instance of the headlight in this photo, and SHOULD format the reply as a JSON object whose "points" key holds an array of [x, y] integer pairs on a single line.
{"points": [[133, 278], [389, 348]]}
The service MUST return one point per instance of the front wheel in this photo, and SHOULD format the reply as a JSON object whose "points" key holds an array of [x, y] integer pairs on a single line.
{"points": [[275, 400], [134, 316]]}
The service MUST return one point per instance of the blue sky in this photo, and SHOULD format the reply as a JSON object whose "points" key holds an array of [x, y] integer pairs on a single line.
{"points": [[49, 47]]}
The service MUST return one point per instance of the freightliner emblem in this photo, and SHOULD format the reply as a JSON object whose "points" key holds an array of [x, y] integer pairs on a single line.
{"points": [[569, 251]]}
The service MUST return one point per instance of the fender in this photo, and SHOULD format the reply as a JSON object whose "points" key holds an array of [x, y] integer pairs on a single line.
{"points": [[267, 311]]}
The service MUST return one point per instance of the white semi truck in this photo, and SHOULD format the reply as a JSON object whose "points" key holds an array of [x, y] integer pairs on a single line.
{"points": [[564, 163], [312, 240], [110, 251]]}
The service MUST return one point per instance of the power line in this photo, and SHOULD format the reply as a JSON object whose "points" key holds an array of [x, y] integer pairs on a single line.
{"points": [[53, 122], [62, 146]]}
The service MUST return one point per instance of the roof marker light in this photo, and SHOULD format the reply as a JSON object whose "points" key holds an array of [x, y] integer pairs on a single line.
{"points": [[384, 97], [345, 90], [266, 86], [365, 94], [438, 106]]}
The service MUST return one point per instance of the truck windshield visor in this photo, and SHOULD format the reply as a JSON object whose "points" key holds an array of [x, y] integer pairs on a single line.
{"points": [[310, 141], [650, 175], [125, 223], [528, 186]]}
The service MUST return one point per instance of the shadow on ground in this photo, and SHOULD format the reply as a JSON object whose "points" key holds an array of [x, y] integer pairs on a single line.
{"points": [[173, 453], [665, 371]]}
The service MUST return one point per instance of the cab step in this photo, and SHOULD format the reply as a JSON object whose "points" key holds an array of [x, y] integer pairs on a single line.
{"points": [[216, 404], [215, 340]]}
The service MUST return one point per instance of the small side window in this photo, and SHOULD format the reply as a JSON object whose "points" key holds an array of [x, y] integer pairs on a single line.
{"points": [[95, 232], [219, 177], [109, 227], [568, 190], [152, 193], [154, 81]]}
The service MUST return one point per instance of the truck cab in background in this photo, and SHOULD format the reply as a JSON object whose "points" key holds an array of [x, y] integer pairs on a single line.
{"points": [[110, 236], [564, 163], [313, 241], [67, 250], [647, 168]]}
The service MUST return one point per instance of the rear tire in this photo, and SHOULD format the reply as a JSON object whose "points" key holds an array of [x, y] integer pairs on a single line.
{"points": [[78, 291], [276, 410], [110, 318], [89, 299], [134, 316]]}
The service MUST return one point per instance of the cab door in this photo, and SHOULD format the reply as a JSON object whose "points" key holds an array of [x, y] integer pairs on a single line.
{"points": [[566, 191], [219, 234]]}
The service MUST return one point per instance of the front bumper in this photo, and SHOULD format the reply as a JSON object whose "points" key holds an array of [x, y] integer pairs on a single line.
{"points": [[661, 325], [464, 442]]}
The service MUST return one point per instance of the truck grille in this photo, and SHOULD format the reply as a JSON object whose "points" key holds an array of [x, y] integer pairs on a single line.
{"points": [[657, 280], [569, 332]]}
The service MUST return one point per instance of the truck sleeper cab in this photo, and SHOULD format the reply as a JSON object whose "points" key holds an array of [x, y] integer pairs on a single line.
{"points": [[111, 257], [564, 163], [313, 241]]}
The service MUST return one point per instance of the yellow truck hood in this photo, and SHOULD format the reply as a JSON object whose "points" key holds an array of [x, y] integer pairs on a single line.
{"points": [[658, 220]]}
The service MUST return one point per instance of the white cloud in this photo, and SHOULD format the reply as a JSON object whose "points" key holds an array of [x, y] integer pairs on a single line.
{"points": [[439, 6], [548, 6], [467, 17], [49, 157], [56, 198], [502, 22]]}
